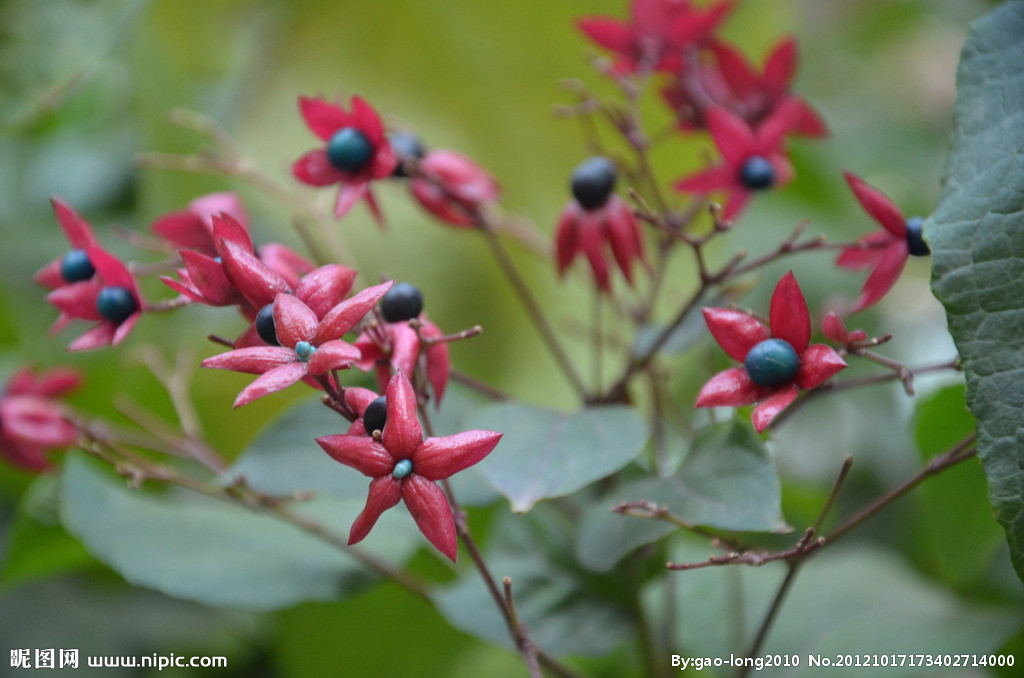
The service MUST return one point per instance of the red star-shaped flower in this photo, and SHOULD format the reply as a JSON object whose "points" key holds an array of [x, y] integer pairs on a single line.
{"points": [[753, 159], [657, 33], [404, 466], [777, 362], [884, 252], [757, 94], [193, 228], [74, 266], [356, 152], [596, 232], [111, 296], [31, 420], [452, 187], [308, 347], [397, 346]]}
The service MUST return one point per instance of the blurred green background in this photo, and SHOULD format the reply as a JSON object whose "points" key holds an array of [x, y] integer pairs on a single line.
{"points": [[86, 85]]}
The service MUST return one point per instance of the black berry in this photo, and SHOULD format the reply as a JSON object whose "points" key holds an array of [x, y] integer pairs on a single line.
{"points": [[406, 145], [376, 415], [915, 237], [265, 325], [403, 301], [75, 266], [757, 173], [593, 181], [116, 303]]}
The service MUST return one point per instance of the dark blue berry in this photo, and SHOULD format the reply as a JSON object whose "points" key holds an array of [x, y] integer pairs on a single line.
{"points": [[349, 150], [75, 266], [406, 145], [116, 303], [265, 325], [772, 362], [915, 237], [403, 301], [376, 415], [593, 181], [757, 173]]}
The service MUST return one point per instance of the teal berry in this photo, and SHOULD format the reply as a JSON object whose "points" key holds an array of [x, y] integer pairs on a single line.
{"points": [[915, 237], [304, 350], [116, 303], [265, 325], [76, 267], [349, 150], [406, 145], [375, 415], [402, 469], [773, 362], [592, 182], [757, 173]]}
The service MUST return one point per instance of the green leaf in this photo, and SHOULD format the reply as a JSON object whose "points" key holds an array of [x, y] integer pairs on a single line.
{"points": [[958, 530], [566, 612], [977, 239], [193, 547], [545, 454], [727, 481], [37, 546]]}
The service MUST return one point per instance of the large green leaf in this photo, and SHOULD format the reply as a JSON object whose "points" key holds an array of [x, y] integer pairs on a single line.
{"points": [[546, 454], [977, 239], [727, 481], [189, 546]]}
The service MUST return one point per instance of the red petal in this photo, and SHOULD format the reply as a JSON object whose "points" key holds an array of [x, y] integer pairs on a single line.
{"points": [[77, 300], [429, 508], [811, 124], [184, 230], [384, 493], [362, 453], [348, 196], [439, 458], [125, 327], [784, 171], [333, 355], [37, 421], [708, 181], [402, 433], [734, 331], [884, 276], [384, 161], [770, 407], [735, 68], [323, 118], [835, 328], [49, 275], [315, 169], [359, 398], [345, 315], [438, 361], [207, 277], [276, 379], [818, 363], [783, 120], [735, 202], [250, 276], [405, 347], [214, 204], [99, 336], [285, 261], [781, 67], [324, 288], [611, 34], [878, 206], [112, 272], [731, 388], [229, 229], [293, 320], [789, 318], [367, 120], [436, 201], [868, 252], [77, 229], [567, 242], [51, 383], [623, 235], [252, 360], [732, 135], [592, 244]]}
